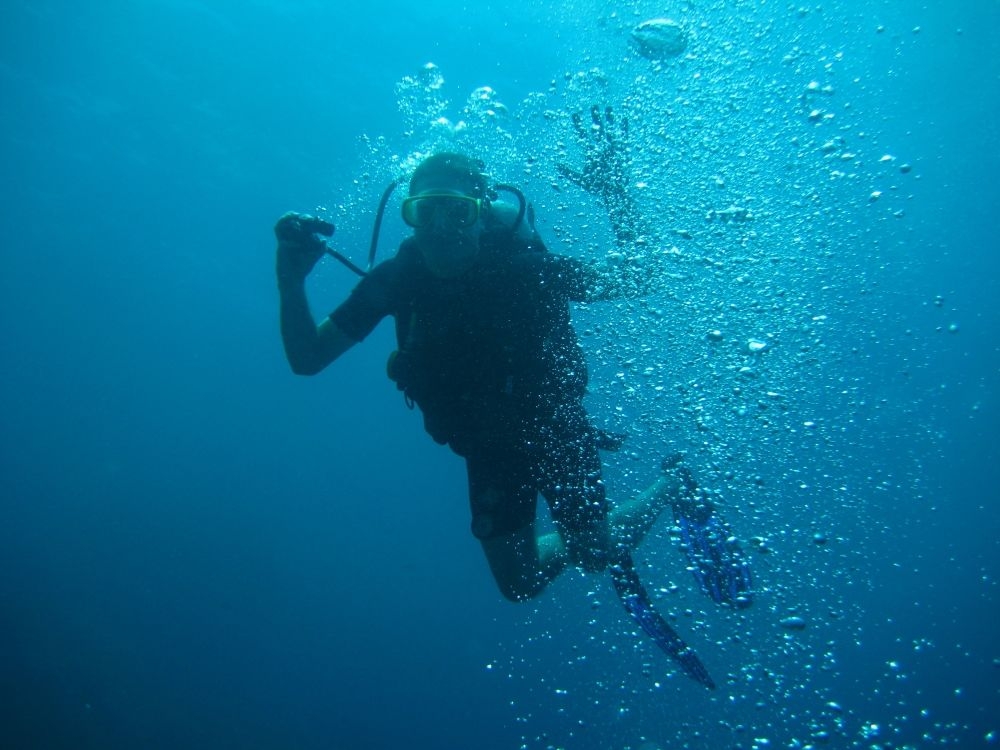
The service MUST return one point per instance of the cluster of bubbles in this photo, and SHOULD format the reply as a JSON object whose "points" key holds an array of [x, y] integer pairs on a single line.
{"points": [[429, 124], [775, 207]]}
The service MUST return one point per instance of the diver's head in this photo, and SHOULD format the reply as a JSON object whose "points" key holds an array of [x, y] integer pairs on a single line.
{"points": [[448, 197]]}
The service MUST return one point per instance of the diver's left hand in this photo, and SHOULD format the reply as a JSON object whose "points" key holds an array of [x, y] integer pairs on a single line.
{"points": [[605, 154], [605, 171]]}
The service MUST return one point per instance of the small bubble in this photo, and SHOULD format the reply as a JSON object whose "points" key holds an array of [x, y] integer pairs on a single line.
{"points": [[793, 623], [870, 730]]}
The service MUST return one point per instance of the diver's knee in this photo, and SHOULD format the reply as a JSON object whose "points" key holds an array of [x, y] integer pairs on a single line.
{"points": [[519, 590]]}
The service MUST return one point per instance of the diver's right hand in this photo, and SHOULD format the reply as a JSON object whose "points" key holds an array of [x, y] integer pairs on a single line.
{"points": [[299, 244]]}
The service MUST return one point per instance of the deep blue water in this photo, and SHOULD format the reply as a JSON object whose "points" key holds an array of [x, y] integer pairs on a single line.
{"points": [[199, 549]]}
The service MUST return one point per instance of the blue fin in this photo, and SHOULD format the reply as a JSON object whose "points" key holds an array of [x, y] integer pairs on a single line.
{"points": [[715, 558], [636, 601]]}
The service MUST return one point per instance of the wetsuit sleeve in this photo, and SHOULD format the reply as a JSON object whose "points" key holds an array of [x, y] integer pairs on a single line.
{"points": [[625, 278], [370, 301], [567, 277]]}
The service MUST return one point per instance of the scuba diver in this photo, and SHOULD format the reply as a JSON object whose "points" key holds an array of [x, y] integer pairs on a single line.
{"points": [[487, 351]]}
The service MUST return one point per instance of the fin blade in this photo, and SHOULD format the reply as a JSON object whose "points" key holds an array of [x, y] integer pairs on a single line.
{"points": [[637, 603], [717, 563]]}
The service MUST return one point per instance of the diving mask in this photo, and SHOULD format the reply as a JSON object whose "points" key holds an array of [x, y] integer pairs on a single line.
{"points": [[456, 209]]}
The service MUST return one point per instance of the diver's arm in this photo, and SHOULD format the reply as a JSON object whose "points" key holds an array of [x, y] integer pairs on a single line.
{"points": [[639, 271], [309, 348], [619, 276], [626, 221]]}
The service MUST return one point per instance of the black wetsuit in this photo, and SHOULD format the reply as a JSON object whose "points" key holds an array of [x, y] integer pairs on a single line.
{"points": [[493, 362]]}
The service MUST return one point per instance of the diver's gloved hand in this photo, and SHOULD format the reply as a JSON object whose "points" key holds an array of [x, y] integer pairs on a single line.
{"points": [[605, 168], [299, 244]]}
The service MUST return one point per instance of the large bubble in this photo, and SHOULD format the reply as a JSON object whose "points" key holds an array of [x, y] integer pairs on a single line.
{"points": [[659, 38]]}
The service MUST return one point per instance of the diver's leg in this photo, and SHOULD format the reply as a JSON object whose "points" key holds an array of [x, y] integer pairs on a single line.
{"points": [[523, 563], [632, 519], [570, 480], [503, 500]]}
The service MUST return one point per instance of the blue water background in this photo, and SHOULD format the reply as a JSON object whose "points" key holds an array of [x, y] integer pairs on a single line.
{"points": [[199, 549]]}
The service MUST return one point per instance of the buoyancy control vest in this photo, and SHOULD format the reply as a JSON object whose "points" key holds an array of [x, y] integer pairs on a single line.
{"points": [[476, 353]]}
